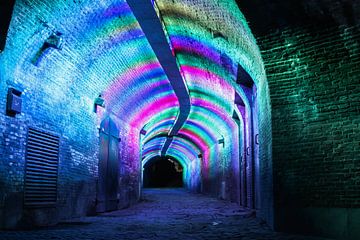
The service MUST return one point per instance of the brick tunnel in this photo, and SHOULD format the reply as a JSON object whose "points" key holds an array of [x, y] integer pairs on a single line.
{"points": [[187, 119]]}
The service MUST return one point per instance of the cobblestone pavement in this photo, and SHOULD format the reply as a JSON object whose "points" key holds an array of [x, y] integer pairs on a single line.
{"points": [[163, 214]]}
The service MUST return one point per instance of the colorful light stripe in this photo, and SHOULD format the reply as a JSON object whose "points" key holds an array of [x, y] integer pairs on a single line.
{"points": [[208, 51], [106, 46]]}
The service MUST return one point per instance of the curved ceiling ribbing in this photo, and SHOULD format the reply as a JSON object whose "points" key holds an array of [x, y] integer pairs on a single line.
{"points": [[186, 149], [208, 81], [107, 46], [153, 29], [153, 148], [142, 92], [209, 39], [137, 88], [206, 64], [105, 51]]}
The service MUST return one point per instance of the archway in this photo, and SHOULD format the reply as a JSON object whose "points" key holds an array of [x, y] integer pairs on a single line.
{"points": [[138, 93], [163, 172], [246, 117]]}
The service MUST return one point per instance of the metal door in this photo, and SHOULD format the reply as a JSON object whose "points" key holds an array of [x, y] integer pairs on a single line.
{"points": [[256, 150], [243, 158], [108, 166]]}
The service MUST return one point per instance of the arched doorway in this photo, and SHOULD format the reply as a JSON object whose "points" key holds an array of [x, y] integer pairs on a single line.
{"points": [[108, 180], [163, 172], [246, 118]]}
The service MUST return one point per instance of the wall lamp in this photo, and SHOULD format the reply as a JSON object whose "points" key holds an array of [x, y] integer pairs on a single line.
{"points": [[222, 141], [13, 102], [217, 34], [99, 102], [55, 40], [143, 131]]}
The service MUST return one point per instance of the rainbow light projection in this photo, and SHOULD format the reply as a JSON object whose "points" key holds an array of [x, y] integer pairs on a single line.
{"points": [[138, 91], [208, 62], [211, 94], [152, 148], [107, 46]]}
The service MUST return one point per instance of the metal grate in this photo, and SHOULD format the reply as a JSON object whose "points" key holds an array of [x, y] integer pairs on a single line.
{"points": [[42, 157]]}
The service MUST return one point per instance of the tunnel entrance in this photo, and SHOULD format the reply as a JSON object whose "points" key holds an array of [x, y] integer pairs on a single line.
{"points": [[163, 172]]}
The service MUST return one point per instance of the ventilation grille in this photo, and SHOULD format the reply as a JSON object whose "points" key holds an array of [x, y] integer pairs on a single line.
{"points": [[41, 169]]}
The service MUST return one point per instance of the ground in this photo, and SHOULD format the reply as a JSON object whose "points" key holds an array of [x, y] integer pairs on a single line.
{"points": [[163, 214]]}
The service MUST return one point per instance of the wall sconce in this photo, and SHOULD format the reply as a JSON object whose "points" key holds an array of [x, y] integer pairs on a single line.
{"points": [[222, 141], [99, 102], [143, 131], [55, 41], [217, 34], [14, 102]]}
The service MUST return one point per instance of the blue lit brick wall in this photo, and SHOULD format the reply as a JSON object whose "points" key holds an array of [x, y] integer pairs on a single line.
{"points": [[55, 99]]}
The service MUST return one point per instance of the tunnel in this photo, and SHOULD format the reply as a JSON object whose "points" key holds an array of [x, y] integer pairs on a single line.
{"points": [[162, 172], [202, 115]]}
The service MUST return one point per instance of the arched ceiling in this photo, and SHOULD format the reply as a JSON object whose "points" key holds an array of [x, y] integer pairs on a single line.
{"points": [[145, 86], [208, 63]]}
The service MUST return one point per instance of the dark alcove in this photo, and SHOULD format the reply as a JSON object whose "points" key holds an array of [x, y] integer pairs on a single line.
{"points": [[163, 172]]}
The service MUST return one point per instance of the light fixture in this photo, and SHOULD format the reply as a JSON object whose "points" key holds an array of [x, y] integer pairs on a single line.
{"points": [[221, 141], [14, 102], [99, 102], [55, 40], [217, 34]]}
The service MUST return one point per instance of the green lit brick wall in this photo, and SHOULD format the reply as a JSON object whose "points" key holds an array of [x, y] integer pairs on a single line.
{"points": [[314, 86]]}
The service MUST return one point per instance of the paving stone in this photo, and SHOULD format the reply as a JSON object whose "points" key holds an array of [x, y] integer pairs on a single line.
{"points": [[163, 214]]}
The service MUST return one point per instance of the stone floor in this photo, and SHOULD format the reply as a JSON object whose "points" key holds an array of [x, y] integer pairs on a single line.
{"points": [[163, 214]]}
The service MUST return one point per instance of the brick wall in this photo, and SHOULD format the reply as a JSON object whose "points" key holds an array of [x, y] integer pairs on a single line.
{"points": [[57, 97], [218, 30], [313, 77], [60, 86]]}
